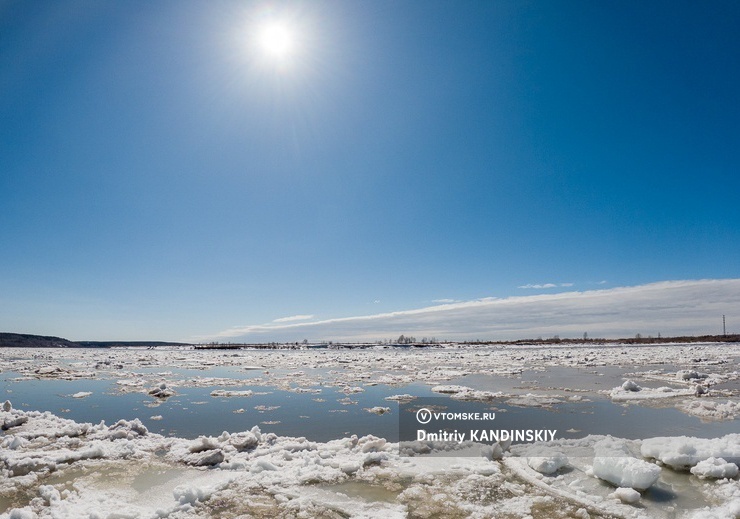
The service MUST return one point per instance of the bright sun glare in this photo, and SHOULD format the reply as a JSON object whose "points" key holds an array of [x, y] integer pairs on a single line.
{"points": [[276, 40]]}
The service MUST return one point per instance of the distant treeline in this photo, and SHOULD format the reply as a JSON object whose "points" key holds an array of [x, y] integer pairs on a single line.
{"points": [[23, 340]]}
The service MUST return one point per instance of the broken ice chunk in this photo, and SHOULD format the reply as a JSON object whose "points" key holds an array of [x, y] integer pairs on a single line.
{"points": [[162, 391], [243, 441], [716, 468], [626, 495], [204, 443], [547, 464], [9, 423], [689, 374], [205, 458], [630, 385], [614, 463]]}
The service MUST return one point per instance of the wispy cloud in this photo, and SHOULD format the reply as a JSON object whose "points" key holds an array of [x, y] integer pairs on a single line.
{"points": [[546, 285], [293, 318], [668, 308], [445, 301]]}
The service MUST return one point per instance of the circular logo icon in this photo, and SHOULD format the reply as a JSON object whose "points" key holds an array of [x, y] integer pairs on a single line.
{"points": [[423, 415]]}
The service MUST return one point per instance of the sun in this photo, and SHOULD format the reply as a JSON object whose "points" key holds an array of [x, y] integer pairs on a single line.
{"points": [[276, 40]]}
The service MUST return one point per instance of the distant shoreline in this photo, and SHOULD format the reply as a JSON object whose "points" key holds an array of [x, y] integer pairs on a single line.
{"points": [[16, 340]]}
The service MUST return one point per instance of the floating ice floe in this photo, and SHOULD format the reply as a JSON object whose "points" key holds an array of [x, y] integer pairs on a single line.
{"points": [[313, 390], [49, 370], [263, 408], [690, 374], [457, 392], [451, 389], [477, 395], [378, 410], [81, 394], [129, 383], [620, 394], [531, 400], [711, 409], [401, 398], [229, 393]]}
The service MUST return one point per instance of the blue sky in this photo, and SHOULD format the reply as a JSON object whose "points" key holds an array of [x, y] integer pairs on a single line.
{"points": [[161, 177]]}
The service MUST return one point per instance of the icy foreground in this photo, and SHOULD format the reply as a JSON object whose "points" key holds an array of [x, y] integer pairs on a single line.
{"points": [[52, 467]]}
